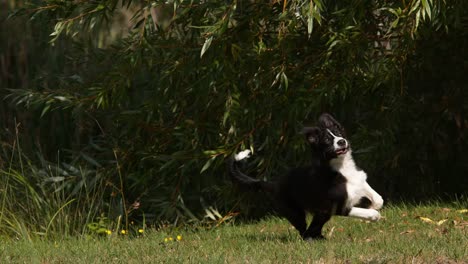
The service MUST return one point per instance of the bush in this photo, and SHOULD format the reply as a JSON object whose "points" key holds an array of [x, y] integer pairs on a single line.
{"points": [[191, 82]]}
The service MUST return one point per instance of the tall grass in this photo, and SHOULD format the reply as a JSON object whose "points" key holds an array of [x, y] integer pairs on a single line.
{"points": [[30, 208], [54, 200]]}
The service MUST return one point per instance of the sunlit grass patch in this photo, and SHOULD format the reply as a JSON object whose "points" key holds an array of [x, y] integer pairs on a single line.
{"points": [[401, 237]]}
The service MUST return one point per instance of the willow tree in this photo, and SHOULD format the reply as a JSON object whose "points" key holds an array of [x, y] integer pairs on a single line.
{"points": [[168, 89]]}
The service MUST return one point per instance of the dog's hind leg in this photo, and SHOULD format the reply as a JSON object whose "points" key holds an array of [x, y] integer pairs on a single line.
{"points": [[315, 228], [295, 216]]}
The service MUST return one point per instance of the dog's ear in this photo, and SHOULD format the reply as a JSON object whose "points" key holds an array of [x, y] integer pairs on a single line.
{"points": [[327, 121], [312, 134]]}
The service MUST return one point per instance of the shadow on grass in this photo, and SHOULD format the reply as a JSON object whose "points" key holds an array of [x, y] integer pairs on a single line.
{"points": [[285, 238], [262, 237]]}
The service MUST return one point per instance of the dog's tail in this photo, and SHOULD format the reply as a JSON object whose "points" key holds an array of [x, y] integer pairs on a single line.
{"points": [[243, 179]]}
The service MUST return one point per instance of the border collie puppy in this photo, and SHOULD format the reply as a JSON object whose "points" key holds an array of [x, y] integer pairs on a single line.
{"points": [[330, 185]]}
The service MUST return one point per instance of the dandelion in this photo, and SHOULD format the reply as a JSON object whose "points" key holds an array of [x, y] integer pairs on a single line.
{"points": [[141, 231], [179, 238], [166, 239], [170, 239], [123, 232], [108, 232]]}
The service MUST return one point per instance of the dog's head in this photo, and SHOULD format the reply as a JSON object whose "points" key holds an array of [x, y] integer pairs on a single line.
{"points": [[328, 137]]}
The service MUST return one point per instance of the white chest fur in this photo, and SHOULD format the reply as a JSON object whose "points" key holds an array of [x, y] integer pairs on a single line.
{"points": [[356, 185]]}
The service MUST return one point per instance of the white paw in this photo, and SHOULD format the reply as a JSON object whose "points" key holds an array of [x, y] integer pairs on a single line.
{"points": [[374, 215], [378, 202], [365, 214]]}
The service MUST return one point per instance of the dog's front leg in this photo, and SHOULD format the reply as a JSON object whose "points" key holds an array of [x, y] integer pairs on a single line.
{"points": [[366, 214], [377, 200]]}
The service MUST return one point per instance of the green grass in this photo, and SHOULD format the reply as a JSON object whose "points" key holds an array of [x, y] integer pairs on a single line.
{"points": [[401, 237]]}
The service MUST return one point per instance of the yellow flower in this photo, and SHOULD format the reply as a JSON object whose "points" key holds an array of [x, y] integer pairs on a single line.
{"points": [[108, 232], [141, 231], [179, 238], [123, 232], [170, 239], [166, 239]]}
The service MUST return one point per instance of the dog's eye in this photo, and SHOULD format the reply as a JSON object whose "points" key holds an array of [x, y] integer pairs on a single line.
{"points": [[338, 133]]}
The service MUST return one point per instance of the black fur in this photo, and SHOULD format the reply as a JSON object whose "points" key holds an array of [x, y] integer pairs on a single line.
{"points": [[317, 188]]}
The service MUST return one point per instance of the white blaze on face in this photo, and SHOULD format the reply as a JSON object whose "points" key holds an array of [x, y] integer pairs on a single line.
{"points": [[336, 139]]}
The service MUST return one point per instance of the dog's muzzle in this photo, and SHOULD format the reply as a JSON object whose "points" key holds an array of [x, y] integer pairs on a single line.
{"points": [[341, 146], [341, 151]]}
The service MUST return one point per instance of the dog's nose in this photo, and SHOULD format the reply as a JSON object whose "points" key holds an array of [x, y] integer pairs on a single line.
{"points": [[341, 142]]}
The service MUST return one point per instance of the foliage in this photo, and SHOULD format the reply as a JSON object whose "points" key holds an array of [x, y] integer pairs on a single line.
{"points": [[177, 86]]}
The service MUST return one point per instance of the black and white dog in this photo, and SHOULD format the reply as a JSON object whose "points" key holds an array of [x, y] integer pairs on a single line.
{"points": [[331, 185]]}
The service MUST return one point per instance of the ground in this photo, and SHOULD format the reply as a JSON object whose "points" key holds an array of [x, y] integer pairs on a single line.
{"points": [[406, 234]]}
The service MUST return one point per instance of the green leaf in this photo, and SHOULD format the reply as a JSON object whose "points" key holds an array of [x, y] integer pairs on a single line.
{"points": [[91, 160], [427, 8], [206, 46], [310, 18], [310, 24], [415, 6], [284, 79], [55, 179], [208, 164], [100, 7], [394, 24], [225, 117], [44, 110]]}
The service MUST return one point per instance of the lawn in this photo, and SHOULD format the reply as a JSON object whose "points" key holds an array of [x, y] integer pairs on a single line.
{"points": [[406, 234]]}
